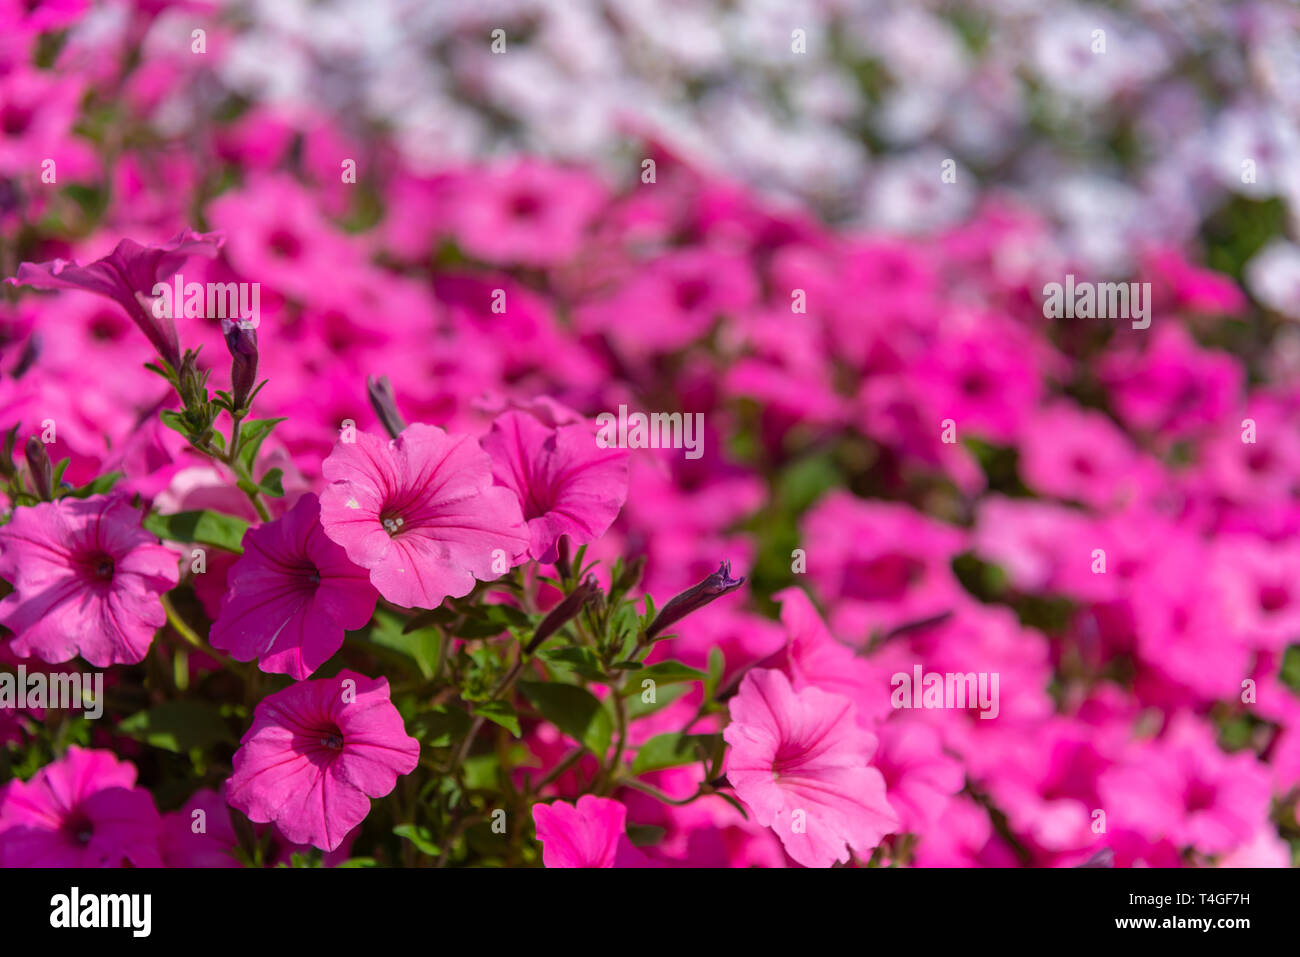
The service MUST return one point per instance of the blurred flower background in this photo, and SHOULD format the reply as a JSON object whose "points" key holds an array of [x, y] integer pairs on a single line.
{"points": [[827, 227]]}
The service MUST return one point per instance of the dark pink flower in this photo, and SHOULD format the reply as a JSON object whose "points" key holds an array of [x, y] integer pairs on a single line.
{"points": [[566, 484], [83, 810], [421, 513], [316, 753], [86, 579], [200, 833], [292, 595], [592, 834], [525, 212], [126, 275], [799, 760]]}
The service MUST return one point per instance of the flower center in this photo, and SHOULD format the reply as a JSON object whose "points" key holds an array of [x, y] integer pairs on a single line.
{"points": [[391, 521], [79, 828], [332, 740]]}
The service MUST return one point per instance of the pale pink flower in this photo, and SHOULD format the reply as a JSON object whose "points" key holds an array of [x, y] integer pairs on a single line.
{"points": [[566, 484], [87, 579], [316, 753], [800, 762], [421, 513]]}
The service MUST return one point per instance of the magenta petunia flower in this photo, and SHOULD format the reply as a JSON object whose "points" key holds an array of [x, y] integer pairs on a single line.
{"points": [[125, 275], [200, 833], [421, 513], [799, 761], [566, 484], [592, 834], [292, 595], [316, 753], [86, 579], [83, 810]]}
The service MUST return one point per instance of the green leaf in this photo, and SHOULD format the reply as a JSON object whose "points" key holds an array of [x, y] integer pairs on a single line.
{"points": [[499, 712], [251, 436], [441, 726], [573, 710], [581, 661], [673, 750], [97, 486], [172, 419], [421, 646], [270, 483], [665, 673], [645, 835], [204, 527], [421, 837], [178, 726], [638, 707], [717, 665]]}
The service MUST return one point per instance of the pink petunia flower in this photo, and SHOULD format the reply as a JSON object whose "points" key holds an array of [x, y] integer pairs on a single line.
{"points": [[421, 513], [813, 658], [86, 579], [125, 275], [83, 810], [316, 753], [200, 833], [524, 211], [592, 834], [292, 595], [1184, 788], [566, 484], [800, 762]]}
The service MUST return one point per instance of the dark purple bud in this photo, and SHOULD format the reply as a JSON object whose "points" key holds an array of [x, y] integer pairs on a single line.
{"points": [[1103, 858], [7, 454], [381, 397], [241, 340], [27, 358], [38, 463], [693, 599], [571, 604]]}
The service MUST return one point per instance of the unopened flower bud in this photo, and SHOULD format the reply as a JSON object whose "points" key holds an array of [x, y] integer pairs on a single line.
{"points": [[381, 398], [241, 340], [38, 463], [7, 454], [693, 599], [564, 611]]}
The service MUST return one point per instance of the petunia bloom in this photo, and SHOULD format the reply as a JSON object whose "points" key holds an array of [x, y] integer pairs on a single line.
{"points": [[316, 753], [421, 513], [292, 595], [126, 275], [566, 484], [86, 579], [800, 762], [592, 834], [83, 810]]}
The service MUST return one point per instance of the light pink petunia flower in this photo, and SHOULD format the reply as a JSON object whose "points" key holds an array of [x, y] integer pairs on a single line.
{"points": [[421, 513], [799, 761], [566, 484], [812, 657], [316, 753], [592, 834], [292, 595], [83, 810], [86, 581], [126, 275]]}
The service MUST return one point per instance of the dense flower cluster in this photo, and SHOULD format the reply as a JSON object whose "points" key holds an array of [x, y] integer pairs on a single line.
{"points": [[882, 566]]}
